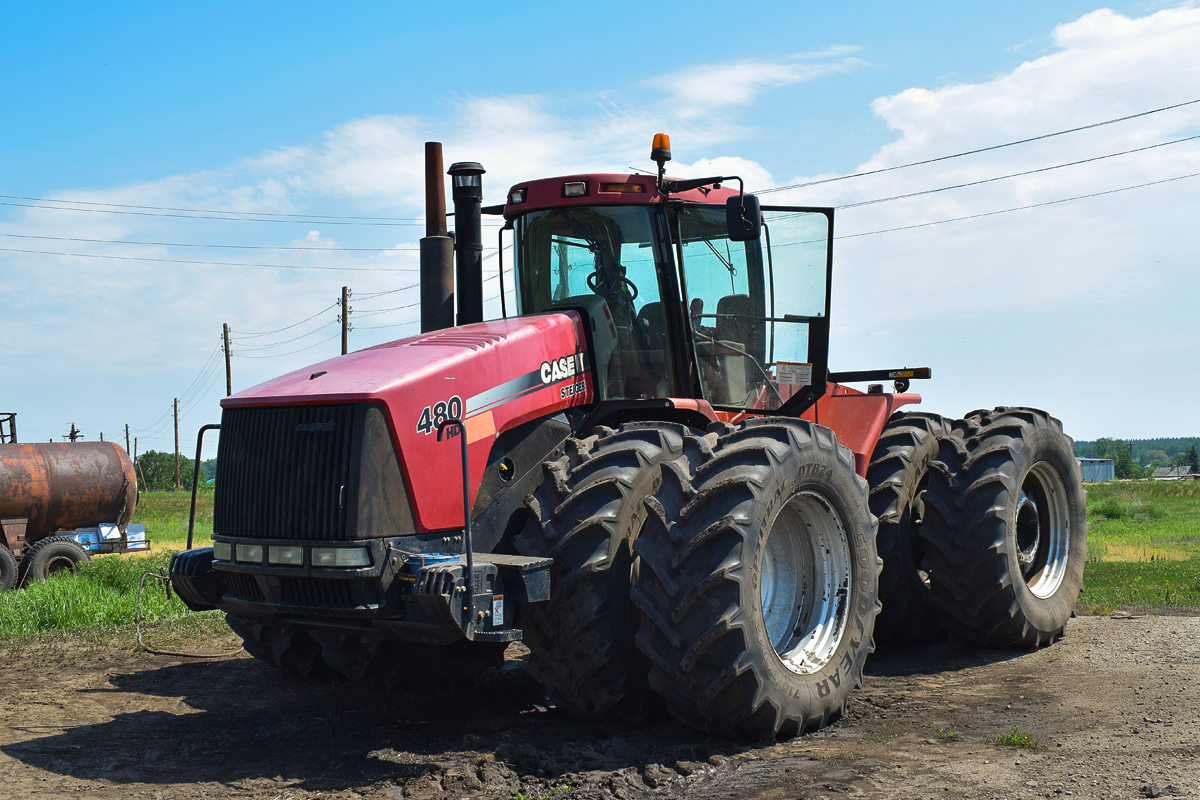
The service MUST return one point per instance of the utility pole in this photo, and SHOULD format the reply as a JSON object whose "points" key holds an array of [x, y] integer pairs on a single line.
{"points": [[228, 372], [127, 437], [102, 436], [74, 435], [177, 444], [345, 319]]}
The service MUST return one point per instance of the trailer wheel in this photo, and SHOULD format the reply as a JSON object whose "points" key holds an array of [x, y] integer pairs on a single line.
{"points": [[52, 556], [408, 666], [898, 474], [759, 580], [288, 648], [8, 569], [586, 515], [1006, 530]]}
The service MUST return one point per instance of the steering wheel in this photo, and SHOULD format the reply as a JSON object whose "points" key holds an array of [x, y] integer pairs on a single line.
{"points": [[630, 286]]}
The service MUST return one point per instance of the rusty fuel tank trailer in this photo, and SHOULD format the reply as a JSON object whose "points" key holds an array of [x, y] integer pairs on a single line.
{"points": [[59, 503]]}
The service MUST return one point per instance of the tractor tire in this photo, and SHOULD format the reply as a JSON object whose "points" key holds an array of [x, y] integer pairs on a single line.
{"points": [[288, 648], [8, 569], [759, 580], [408, 666], [51, 556], [1006, 530], [586, 515], [898, 474]]}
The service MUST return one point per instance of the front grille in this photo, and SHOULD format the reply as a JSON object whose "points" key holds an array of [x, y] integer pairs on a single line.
{"points": [[243, 586], [284, 472], [323, 593]]}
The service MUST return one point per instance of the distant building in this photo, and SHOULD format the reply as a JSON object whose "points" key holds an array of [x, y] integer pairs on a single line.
{"points": [[1175, 474], [1096, 470]]}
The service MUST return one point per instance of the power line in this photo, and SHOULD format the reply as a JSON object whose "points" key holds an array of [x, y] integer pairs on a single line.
{"points": [[204, 210], [292, 352], [207, 263], [253, 335], [286, 341], [978, 150], [226, 246], [1015, 174], [1017, 208], [305, 219]]}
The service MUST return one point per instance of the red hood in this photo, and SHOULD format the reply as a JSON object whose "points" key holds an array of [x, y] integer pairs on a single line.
{"points": [[500, 374]]}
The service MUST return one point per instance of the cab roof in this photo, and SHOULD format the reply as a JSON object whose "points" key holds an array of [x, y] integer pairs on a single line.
{"points": [[601, 189]]}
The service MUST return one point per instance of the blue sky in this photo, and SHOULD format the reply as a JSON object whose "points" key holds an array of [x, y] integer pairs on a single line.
{"points": [[1085, 308]]}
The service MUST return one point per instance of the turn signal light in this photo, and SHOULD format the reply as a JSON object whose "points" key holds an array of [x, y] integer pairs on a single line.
{"points": [[635, 188]]}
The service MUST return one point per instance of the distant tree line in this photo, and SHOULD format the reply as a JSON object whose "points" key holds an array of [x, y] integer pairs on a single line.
{"points": [[1138, 458], [156, 471]]}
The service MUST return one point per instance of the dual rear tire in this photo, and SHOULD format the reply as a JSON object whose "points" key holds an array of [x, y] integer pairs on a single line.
{"points": [[1005, 530]]}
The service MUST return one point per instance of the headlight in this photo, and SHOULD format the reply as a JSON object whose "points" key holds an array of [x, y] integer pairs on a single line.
{"points": [[280, 554], [222, 551], [340, 557], [249, 553]]}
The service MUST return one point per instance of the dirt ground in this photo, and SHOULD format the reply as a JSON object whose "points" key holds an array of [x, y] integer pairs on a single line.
{"points": [[1115, 705]]}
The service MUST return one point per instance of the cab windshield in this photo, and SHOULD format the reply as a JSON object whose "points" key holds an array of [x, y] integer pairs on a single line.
{"points": [[602, 259]]}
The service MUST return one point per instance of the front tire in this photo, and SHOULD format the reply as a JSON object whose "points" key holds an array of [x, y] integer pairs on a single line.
{"points": [[1006, 531], [759, 580], [586, 515], [408, 666], [288, 648]]}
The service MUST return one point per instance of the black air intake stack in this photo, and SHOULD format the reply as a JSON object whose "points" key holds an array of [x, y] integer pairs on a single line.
{"points": [[467, 190], [437, 249]]}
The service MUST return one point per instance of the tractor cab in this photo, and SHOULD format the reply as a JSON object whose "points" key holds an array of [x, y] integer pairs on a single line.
{"points": [[684, 299]]}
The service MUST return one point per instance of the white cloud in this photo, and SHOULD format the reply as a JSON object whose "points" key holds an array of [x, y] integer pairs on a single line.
{"points": [[698, 89]]}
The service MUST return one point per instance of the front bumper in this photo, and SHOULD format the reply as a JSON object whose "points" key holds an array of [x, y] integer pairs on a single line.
{"points": [[412, 590]]}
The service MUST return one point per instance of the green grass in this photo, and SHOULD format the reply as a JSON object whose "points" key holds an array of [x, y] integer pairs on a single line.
{"points": [[103, 596], [165, 515], [1143, 547], [1016, 738], [947, 733], [1144, 521]]}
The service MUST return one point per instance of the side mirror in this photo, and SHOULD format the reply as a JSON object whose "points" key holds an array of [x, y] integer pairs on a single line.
{"points": [[743, 215]]}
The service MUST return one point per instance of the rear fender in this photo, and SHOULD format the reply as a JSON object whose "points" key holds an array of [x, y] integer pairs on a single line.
{"points": [[857, 418]]}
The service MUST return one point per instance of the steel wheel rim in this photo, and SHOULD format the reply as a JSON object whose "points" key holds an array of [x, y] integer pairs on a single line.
{"points": [[1043, 563], [804, 589], [60, 564]]}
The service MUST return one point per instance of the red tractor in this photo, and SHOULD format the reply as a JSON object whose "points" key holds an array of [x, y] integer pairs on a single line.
{"points": [[647, 474]]}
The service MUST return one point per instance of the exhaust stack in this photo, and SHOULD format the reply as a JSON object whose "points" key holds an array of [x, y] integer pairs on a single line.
{"points": [[467, 190], [437, 249]]}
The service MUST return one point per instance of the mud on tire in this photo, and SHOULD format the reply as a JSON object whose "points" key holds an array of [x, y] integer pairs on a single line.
{"points": [[898, 474], [759, 543], [1006, 530], [586, 515]]}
